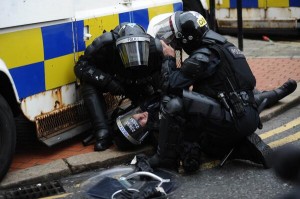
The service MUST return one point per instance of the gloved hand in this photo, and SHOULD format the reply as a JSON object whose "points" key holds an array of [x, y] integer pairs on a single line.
{"points": [[115, 88]]}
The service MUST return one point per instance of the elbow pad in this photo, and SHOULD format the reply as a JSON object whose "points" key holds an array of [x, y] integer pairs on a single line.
{"points": [[80, 67], [86, 72], [195, 66], [105, 39]]}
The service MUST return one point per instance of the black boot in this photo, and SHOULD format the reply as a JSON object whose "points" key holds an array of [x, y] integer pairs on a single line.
{"points": [[253, 148], [95, 107], [190, 156], [167, 155], [103, 140], [277, 94]]}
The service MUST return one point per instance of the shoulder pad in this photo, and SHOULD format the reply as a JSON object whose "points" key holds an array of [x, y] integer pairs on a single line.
{"points": [[193, 66], [200, 57], [212, 35], [205, 51], [99, 42]]}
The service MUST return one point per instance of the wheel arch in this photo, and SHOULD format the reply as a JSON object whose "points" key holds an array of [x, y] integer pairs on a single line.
{"points": [[8, 89]]}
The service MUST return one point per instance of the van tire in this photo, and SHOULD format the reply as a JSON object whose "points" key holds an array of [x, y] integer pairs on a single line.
{"points": [[25, 133], [7, 137]]}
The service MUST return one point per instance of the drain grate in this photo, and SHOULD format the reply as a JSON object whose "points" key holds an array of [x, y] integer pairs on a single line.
{"points": [[35, 191]]}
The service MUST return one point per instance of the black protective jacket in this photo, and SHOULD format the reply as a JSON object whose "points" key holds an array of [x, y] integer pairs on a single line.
{"points": [[211, 70], [102, 64]]}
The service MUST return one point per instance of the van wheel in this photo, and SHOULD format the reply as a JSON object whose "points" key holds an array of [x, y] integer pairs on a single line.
{"points": [[7, 137], [25, 133]]}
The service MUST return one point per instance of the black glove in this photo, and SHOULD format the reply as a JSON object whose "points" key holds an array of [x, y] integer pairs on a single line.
{"points": [[115, 88], [142, 163]]}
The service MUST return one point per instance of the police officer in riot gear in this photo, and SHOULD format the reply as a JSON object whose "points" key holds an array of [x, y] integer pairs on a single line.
{"points": [[221, 111], [123, 62]]}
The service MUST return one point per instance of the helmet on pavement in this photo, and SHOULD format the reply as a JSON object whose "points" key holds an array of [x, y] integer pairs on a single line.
{"points": [[187, 28], [133, 45], [130, 129]]}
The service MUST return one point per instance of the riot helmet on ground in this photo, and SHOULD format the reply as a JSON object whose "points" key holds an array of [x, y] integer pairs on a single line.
{"points": [[133, 45], [186, 28], [130, 129]]}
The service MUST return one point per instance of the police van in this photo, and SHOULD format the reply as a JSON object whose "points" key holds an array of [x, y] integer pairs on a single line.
{"points": [[40, 41], [274, 17]]}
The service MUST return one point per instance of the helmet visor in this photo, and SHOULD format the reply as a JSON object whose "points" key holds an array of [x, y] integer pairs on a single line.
{"points": [[134, 51], [133, 125], [163, 31]]}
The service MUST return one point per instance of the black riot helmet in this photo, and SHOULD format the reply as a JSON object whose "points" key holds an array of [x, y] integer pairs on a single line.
{"points": [[186, 28], [130, 128], [133, 45]]}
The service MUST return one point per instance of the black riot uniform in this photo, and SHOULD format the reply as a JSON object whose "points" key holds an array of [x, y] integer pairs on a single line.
{"points": [[124, 62], [221, 111]]}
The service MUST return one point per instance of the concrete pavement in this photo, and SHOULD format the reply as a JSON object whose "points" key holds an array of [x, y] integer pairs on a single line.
{"points": [[271, 63]]}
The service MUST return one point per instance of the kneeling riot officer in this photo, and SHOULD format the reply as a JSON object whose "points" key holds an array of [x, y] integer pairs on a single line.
{"points": [[124, 62], [221, 111]]}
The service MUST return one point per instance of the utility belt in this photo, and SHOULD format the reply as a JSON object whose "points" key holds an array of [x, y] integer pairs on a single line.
{"points": [[235, 102]]}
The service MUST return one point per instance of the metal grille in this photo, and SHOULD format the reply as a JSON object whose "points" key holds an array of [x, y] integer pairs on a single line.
{"points": [[52, 123], [35, 191]]}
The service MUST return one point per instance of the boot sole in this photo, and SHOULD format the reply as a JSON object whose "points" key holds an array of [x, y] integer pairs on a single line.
{"points": [[264, 150]]}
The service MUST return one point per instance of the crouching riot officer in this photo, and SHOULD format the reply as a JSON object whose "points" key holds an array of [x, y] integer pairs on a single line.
{"points": [[221, 112], [123, 62]]}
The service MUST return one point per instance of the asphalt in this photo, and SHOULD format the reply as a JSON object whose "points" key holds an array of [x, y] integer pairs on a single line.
{"points": [[272, 63]]}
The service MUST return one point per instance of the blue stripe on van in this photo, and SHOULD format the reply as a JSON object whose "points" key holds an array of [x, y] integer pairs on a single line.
{"points": [[141, 17], [57, 40], [177, 7], [245, 3], [29, 79], [125, 17], [295, 3], [79, 36]]}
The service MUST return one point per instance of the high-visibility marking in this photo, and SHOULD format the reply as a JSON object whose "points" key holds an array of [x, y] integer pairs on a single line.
{"points": [[257, 3], [59, 71], [22, 48], [281, 129], [57, 40], [285, 140]]}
